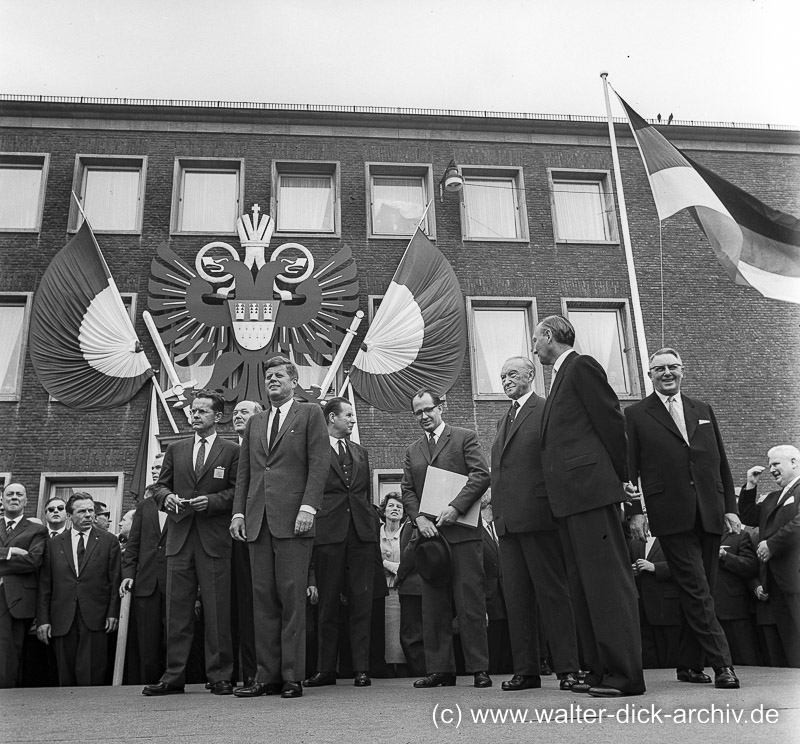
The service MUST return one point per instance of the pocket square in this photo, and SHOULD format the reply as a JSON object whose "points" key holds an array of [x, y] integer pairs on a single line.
{"points": [[788, 501], [703, 421]]}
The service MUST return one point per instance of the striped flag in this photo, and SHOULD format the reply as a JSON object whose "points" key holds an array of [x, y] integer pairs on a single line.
{"points": [[82, 343], [757, 245]]}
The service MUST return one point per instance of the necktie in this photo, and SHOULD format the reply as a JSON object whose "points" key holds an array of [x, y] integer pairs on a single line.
{"points": [[9, 527], [672, 406], [342, 452], [276, 425], [432, 443], [53, 533], [513, 412], [81, 549], [201, 458]]}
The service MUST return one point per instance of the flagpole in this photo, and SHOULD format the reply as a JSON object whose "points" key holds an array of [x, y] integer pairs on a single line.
{"points": [[644, 357], [350, 334]]}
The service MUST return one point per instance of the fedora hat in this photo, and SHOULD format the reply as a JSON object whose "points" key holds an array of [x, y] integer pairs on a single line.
{"points": [[432, 560]]}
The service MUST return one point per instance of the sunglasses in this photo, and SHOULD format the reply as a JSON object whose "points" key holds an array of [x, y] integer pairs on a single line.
{"points": [[55, 508]]}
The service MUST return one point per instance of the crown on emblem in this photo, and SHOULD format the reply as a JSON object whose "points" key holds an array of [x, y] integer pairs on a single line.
{"points": [[256, 230]]}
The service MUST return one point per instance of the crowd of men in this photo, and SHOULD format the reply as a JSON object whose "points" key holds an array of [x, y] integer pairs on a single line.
{"points": [[614, 542]]}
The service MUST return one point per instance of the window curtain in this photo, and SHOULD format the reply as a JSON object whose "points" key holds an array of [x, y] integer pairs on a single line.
{"points": [[11, 320], [397, 204], [19, 197], [491, 208], [580, 211], [597, 334], [209, 201], [305, 203], [499, 334], [110, 198]]}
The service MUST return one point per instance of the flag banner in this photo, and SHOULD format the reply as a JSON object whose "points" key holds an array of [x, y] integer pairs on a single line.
{"points": [[418, 337], [147, 449], [82, 343], [757, 245]]}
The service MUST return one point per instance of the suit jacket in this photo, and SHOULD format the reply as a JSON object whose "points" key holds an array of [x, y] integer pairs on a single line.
{"points": [[657, 589], [343, 499], [20, 574], [780, 527], [492, 569], [583, 439], [679, 479], [276, 483], [217, 481], [458, 451], [731, 593], [519, 496], [144, 559], [408, 579], [96, 592]]}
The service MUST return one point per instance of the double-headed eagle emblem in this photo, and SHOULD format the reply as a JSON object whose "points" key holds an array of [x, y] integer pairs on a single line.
{"points": [[240, 313]]}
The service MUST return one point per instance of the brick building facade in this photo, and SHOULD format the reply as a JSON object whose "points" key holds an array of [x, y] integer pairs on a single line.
{"points": [[535, 231]]}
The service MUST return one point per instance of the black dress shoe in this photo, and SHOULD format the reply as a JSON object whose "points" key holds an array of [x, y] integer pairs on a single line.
{"points": [[522, 682], [606, 692], [291, 690], [482, 679], [581, 687], [436, 679], [320, 679], [725, 679], [223, 687], [693, 675], [568, 681], [249, 681], [362, 680], [254, 690], [162, 688], [208, 685]]}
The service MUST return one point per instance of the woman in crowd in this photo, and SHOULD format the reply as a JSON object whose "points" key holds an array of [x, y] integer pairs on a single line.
{"points": [[393, 520]]}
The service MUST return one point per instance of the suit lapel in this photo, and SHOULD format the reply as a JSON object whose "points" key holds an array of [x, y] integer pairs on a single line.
{"points": [[659, 412], [290, 417], [64, 545], [337, 466], [3, 532], [187, 455], [213, 455], [440, 443], [569, 359], [690, 416], [522, 414], [91, 543]]}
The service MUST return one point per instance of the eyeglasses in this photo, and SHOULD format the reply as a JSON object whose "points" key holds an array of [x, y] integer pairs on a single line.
{"points": [[425, 411], [661, 369], [52, 509]]}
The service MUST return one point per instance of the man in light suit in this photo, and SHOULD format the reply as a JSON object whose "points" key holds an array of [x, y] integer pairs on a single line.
{"points": [[344, 548], [195, 488], [284, 465], [585, 472], [78, 603], [778, 550], [457, 450], [534, 578], [22, 548], [675, 449]]}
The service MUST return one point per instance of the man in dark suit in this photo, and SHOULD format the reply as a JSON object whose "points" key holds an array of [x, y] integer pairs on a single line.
{"points": [[195, 488], [78, 601], [499, 642], [675, 449], [22, 548], [534, 578], [457, 450], [344, 549], [585, 469], [284, 465], [778, 550], [144, 570]]}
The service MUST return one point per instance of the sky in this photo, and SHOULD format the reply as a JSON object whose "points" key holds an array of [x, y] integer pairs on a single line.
{"points": [[702, 60]]}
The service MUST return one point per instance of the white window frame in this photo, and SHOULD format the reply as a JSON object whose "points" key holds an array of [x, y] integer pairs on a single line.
{"points": [[28, 160], [515, 175], [625, 326], [5, 479], [26, 300], [385, 480], [48, 481], [556, 176], [206, 165], [424, 172], [320, 168], [85, 163], [528, 306]]}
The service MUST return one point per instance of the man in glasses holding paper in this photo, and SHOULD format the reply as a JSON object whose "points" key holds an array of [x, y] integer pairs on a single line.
{"points": [[441, 455]]}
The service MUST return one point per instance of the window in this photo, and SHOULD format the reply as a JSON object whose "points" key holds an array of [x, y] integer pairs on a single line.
{"points": [[14, 311], [603, 330], [22, 185], [493, 204], [305, 198], [499, 328], [105, 487], [207, 195], [582, 204], [385, 481], [111, 192], [398, 195]]}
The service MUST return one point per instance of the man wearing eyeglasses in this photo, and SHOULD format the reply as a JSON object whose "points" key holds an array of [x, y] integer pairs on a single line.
{"points": [[55, 516], [457, 450], [675, 449]]}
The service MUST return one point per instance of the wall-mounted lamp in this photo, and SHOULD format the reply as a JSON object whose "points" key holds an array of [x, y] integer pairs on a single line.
{"points": [[452, 180]]}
